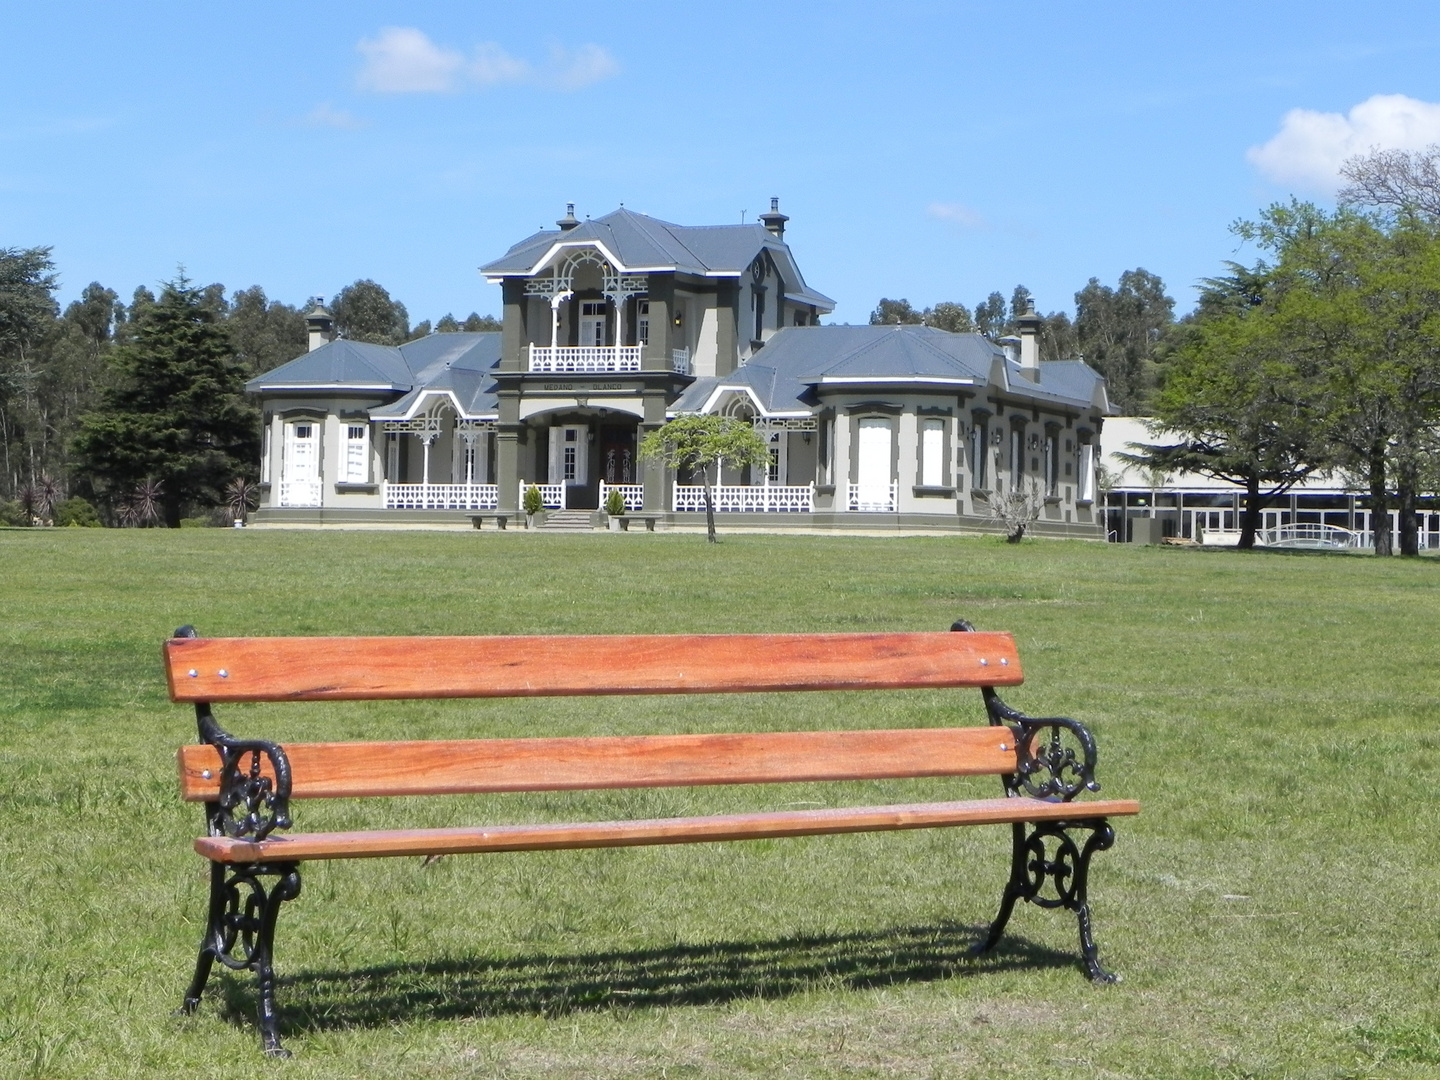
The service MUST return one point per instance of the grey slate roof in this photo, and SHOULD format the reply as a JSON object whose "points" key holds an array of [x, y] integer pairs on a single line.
{"points": [[642, 242], [460, 363], [786, 374]]}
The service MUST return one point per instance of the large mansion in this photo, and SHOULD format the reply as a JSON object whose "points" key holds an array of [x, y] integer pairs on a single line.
{"points": [[614, 325]]}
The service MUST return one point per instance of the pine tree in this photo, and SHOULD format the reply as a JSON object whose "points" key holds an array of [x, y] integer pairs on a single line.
{"points": [[175, 411]]}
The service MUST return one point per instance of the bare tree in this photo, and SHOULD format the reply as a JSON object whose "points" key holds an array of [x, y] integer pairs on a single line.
{"points": [[1018, 510], [1395, 180]]}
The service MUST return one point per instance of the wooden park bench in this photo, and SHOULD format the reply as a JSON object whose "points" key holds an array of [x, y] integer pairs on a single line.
{"points": [[247, 784]]}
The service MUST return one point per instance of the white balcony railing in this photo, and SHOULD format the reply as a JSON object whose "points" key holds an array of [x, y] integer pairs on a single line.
{"points": [[300, 492], [680, 361], [634, 494], [873, 498], [552, 496], [736, 498], [440, 496], [585, 359]]}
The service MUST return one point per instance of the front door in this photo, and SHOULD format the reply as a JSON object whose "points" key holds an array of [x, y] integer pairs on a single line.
{"points": [[617, 456], [873, 472], [300, 467]]}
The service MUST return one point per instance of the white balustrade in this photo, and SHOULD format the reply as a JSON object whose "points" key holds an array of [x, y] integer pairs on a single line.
{"points": [[680, 361], [873, 498], [737, 498], [585, 358], [552, 496], [634, 494], [440, 496], [300, 493]]}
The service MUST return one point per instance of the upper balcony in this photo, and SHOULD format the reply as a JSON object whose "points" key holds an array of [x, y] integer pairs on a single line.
{"points": [[592, 359]]}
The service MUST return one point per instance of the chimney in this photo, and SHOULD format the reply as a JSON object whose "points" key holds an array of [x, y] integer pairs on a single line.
{"points": [[1029, 327], [569, 221], [320, 323], [774, 221]]}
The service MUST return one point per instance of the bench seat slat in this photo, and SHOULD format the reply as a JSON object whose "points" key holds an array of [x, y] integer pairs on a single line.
{"points": [[439, 767], [373, 668], [543, 837]]}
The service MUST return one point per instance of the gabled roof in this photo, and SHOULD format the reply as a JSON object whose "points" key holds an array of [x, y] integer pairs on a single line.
{"points": [[802, 361], [638, 243], [458, 365]]}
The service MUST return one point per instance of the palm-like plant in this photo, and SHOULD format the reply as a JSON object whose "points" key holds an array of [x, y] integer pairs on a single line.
{"points": [[241, 496], [143, 506]]}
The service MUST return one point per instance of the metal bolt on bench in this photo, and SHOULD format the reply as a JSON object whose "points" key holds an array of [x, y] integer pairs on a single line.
{"points": [[247, 784]]}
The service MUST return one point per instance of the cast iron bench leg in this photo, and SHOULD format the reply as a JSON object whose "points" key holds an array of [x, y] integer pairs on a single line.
{"points": [[1066, 869], [240, 933]]}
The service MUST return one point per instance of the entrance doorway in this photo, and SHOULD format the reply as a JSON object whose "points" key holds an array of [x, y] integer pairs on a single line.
{"points": [[618, 464]]}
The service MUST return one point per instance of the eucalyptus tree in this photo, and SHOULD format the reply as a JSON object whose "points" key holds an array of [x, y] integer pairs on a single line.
{"points": [[365, 311]]}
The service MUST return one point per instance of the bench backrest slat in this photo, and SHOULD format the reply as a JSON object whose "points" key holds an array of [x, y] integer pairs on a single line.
{"points": [[352, 770], [367, 668]]}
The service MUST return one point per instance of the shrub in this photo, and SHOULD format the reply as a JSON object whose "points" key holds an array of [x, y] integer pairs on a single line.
{"points": [[533, 502], [77, 511], [12, 513], [615, 503]]}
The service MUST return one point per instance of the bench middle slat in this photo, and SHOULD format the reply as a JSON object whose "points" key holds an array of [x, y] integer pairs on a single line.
{"points": [[351, 770]]}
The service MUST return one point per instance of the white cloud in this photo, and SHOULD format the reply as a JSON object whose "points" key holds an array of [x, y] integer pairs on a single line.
{"points": [[573, 69], [404, 60], [1311, 146], [326, 115], [493, 65], [956, 214]]}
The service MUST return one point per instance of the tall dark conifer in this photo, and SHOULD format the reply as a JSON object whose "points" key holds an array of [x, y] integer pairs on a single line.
{"points": [[176, 411]]}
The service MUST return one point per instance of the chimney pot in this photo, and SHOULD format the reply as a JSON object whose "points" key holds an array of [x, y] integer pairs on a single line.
{"points": [[569, 221], [775, 221]]}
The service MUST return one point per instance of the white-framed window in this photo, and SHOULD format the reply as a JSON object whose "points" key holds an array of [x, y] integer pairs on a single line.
{"points": [[1052, 466], [1017, 457], [592, 322], [265, 453], [977, 456], [932, 453], [642, 322], [357, 453], [776, 469], [1087, 472]]}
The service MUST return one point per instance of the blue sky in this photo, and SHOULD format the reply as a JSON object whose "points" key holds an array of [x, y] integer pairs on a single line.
{"points": [[931, 151]]}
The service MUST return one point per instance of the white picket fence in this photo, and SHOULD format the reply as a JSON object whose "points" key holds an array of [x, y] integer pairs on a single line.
{"points": [[440, 496], [737, 498], [634, 495], [552, 496]]}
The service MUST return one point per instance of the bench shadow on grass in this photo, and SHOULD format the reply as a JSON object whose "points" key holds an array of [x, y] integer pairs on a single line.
{"points": [[554, 985]]}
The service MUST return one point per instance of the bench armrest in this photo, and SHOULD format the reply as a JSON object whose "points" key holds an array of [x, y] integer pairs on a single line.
{"points": [[1058, 763], [251, 804]]}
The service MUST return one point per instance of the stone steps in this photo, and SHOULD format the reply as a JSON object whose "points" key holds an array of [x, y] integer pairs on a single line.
{"points": [[567, 520]]}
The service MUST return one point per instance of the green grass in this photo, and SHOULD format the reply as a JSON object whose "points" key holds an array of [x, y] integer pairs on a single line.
{"points": [[1275, 910]]}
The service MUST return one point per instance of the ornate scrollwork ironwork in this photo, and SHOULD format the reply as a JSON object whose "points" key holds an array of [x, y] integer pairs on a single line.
{"points": [[240, 933], [251, 803], [1058, 764]]}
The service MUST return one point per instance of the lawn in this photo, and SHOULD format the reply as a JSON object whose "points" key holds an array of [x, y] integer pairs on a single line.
{"points": [[1275, 909]]}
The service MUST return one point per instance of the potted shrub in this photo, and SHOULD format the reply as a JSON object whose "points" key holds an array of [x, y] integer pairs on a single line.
{"points": [[534, 507], [615, 507]]}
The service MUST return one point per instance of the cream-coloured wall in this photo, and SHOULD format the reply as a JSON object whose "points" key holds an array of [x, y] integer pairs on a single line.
{"points": [[705, 356]]}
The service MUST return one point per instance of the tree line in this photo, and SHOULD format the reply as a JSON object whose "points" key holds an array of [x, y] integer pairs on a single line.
{"points": [[1120, 331], [135, 413]]}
